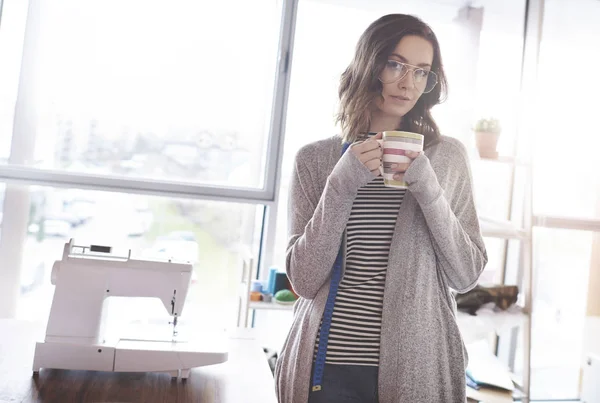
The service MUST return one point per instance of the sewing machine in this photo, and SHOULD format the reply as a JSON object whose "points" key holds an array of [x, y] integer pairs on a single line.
{"points": [[76, 334]]}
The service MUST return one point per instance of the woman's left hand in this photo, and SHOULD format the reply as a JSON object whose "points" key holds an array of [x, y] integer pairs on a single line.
{"points": [[401, 168]]}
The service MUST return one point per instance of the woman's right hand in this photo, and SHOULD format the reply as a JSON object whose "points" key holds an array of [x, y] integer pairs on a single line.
{"points": [[369, 152]]}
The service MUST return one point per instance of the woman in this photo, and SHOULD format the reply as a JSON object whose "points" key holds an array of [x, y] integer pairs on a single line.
{"points": [[393, 335]]}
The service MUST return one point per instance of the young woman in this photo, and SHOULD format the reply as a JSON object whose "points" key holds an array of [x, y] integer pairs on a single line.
{"points": [[393, 335]]}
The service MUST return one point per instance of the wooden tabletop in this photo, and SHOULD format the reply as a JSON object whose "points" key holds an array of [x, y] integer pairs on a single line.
{"points": [[244, 378]]}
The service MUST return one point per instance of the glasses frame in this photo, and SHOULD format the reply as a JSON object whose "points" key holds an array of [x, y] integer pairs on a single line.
{"points": [[412, 69]]}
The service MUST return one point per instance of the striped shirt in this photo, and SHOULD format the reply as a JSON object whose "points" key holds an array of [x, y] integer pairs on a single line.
{"points": [[356, 322]]}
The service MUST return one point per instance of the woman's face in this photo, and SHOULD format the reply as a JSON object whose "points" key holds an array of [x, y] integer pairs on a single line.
{"points": [[401, 94]]}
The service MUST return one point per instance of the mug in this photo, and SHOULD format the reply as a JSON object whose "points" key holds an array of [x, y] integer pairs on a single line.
{"points": [[394, 145]]}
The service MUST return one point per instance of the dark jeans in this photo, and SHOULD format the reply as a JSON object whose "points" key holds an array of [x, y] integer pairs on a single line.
{"points": [[347, 384]]}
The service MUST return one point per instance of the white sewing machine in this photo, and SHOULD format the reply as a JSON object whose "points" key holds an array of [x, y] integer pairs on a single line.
{"points": [[76, 336]]}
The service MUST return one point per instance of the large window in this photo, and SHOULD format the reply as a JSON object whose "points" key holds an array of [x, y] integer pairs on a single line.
{"points": [[567, 186], [566, 132], [180, 91]]}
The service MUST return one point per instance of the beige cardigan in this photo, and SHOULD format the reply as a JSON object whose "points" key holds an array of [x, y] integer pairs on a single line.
{"points": [[437, 245]]}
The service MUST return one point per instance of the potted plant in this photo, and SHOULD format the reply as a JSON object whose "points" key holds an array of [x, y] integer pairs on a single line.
{"points": [[487, 132]]}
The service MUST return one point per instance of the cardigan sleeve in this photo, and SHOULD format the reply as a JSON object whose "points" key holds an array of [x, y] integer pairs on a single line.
{"points": [[451, 217], [317, 221]]}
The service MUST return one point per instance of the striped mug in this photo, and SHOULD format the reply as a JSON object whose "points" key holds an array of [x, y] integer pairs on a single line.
{"points": [[394, 145]]}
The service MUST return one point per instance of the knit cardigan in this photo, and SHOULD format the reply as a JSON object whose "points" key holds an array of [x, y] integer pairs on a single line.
{"points": [[436, 247]]}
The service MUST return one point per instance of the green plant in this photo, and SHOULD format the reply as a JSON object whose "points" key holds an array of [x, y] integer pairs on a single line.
{"points": [[489, 125]]}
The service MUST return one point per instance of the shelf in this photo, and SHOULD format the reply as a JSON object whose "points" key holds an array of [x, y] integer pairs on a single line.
{"points": [[270, 305], [489, 320], [500, 229], [473, 328]]}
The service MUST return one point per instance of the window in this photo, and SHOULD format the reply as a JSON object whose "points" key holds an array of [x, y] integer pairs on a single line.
{"points": [[181, 93], [566, 180], [569, 137], [214, 236]]}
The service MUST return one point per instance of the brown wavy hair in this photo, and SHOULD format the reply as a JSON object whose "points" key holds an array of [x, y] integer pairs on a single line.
{"points": [[360, 86]]}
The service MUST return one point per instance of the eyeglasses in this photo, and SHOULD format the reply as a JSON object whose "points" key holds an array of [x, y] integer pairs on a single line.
{"points": [[425, 81]]}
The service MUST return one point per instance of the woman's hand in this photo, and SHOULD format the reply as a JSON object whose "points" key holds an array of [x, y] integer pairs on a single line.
{"points": [[369, 152], [401, 168]]}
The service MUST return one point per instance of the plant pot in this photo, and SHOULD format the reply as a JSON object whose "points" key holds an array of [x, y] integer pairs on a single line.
{"points": [[487, 143]]}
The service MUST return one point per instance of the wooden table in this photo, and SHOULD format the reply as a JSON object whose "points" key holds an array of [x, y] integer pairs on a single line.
{"points": [[244, 378]]}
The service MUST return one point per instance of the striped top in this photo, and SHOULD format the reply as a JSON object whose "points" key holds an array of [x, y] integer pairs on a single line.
{"points": [[356, 322]]}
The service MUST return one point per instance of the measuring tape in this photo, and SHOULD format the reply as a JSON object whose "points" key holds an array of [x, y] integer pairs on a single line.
{"points": [[336, 276]]}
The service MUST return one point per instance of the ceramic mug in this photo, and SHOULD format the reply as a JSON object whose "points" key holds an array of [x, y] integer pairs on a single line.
{"points": [[395, 144]]}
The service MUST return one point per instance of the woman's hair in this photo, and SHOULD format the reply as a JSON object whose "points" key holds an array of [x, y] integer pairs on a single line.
{"points": [[360, 85]]}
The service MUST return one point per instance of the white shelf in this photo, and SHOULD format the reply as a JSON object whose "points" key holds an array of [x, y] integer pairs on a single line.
{"points": [[270, 305], [489, 320], [500, 229], [473, 328]]}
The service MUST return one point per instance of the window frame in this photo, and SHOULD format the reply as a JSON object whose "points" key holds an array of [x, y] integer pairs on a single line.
{"points": [[23, 137]]}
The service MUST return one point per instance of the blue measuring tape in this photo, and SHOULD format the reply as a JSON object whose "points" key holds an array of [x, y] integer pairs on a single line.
{"points": [[336, 276]]}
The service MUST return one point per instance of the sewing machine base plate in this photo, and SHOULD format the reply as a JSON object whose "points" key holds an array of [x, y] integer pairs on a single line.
{"points": [[174, 358]]}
